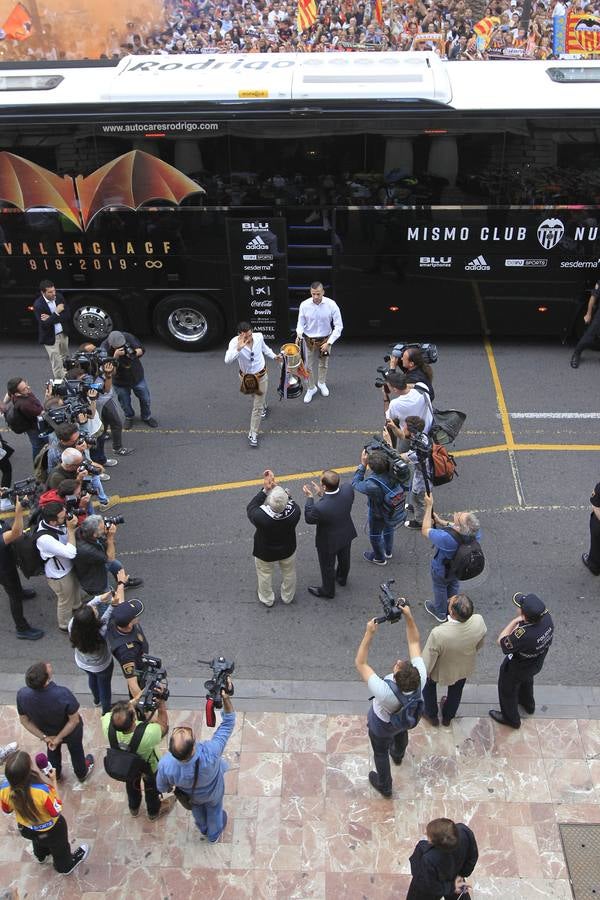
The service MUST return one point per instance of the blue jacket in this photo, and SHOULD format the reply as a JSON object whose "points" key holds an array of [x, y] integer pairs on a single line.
{"points": [[210, 785], [46, 333], [372, 489]]}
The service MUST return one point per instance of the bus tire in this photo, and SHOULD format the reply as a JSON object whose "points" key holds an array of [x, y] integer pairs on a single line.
{"points": [[188, 323], [94, 318]]}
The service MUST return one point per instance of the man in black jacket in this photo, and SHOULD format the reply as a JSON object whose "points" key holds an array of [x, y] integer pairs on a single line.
{"points": [[126, 351], [96, 557], [440, 864], [53, 318], [335, 529], [275, 516]]}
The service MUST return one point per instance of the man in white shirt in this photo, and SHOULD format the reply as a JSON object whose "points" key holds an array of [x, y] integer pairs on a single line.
{"points": [[403, 400], [56, 545], [319, 325], [249, 350], [401, 690]]}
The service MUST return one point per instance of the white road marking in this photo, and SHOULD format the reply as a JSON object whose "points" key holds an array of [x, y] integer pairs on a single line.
{"points": [[554, 415], [516, 478]]}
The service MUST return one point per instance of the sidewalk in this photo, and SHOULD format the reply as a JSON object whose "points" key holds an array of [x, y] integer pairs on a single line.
{"points": [[304, 822]]}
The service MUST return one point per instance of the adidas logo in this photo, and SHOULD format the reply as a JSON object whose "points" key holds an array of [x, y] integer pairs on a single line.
{"points": [[257, 243], [477, 265]]}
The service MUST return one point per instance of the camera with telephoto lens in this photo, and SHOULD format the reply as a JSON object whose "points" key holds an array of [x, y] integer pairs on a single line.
{"points": [[114, 520], [398, 468], [23, 490], [421, 443], [72, 506], [87, 487], [128, 354], [392, 605], [221, 669], [429, 352], [152, 678], [87, 466], [381, 379]]}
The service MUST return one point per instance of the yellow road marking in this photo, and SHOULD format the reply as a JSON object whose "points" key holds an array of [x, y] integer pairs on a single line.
{"points": [[502, 408]]}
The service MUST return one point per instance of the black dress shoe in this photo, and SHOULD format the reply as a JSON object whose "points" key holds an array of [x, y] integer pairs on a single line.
{"points": [[528, 709], [585, 559], [374, 782], [497, 716], [575, 361], [317, 592], [133, 581], [28, 594], [340, 581]]}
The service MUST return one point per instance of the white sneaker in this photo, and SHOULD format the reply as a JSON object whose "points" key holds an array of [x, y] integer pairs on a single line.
{"points": [[323, 388], [309, 394], [7, 750], [103, 476], [6, 505]]}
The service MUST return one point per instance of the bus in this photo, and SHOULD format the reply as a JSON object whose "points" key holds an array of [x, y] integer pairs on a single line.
{"points": [[177, 195]]}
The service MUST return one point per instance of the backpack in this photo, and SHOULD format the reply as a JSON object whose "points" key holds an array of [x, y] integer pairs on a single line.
{"points": [[15, 419], [26, 554], [442, 465], [468, 561], [407, 717], [394, 498], [125, 765], [40, 465]]}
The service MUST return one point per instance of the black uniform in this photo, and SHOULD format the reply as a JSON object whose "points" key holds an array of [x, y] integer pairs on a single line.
{"points": [[592, 333], [128, 648], [525, 650]]}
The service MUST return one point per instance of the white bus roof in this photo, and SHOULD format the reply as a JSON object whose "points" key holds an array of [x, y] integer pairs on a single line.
{"points": [[510, 85]]}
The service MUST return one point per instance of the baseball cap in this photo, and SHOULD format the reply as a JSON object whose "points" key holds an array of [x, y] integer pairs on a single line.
{"points": [[116, 339], [126, 612], [595, 498], [530, 604]]}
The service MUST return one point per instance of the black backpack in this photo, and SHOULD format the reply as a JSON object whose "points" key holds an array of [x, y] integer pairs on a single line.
{"points": [[26, 555], [125, 765], [468, 561], [407, 717], [15, 419]]}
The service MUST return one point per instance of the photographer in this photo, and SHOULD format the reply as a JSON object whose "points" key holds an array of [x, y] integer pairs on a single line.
{"points": [[56, 545], [401, 400], [67, 489], [417, 371], [399, 692], [10, 580], [418, 458], [197, 769], [73, 465], [120, 726], [106, 403], [127, 641], [375, 486], [96, 556], [21, 410], [126, 351]]}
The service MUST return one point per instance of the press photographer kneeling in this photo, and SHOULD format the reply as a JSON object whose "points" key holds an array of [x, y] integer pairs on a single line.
{"points": [[132, 756]]}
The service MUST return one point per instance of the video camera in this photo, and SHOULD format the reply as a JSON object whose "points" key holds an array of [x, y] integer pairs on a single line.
{"points": [[221, 669], [90, 361], [23, 490], [398, 468], [392, 605], [429, 352], [66, 414], [155, 686]]}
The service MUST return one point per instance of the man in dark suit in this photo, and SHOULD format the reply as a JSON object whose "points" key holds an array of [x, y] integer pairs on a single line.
{"points": [[53, 317], [335, 529]]}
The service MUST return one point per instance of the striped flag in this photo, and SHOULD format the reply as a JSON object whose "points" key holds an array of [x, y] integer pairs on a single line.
{"points": [[307, 14], [378, 12], [583, 33], [18, 26]]}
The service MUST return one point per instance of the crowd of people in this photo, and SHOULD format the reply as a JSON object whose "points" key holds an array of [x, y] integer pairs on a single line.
{"points": [[447, 27], [74, 546]]}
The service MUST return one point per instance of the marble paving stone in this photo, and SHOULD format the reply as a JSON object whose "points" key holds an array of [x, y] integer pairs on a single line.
{"points": [[304, 823]]}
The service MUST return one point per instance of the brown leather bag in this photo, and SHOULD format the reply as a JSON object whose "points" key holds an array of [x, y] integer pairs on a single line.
{"points": [[249, 384]]}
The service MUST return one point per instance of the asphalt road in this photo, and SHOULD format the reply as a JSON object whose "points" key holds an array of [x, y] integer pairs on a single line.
{"points": [[191, 541]]}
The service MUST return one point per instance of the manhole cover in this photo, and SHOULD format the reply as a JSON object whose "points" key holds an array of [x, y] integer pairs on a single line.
{"points": [[581, 846]]}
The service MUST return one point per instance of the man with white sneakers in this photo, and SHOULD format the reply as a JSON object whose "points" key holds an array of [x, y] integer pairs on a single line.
{"points": [[319, 326], [249, 349]]}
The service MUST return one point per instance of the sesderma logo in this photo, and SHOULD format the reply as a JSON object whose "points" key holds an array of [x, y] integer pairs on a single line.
{"points": [[257, 243], [477, 265]]}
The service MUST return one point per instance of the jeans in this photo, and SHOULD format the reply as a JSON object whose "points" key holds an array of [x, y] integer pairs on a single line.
{"points": [[99, 683], [141, 391], [74, 742], [97, 484], [443, 589], [383, 748], [13, 587], [36, 441], [382, 539], [134, 793], [54, 843], [209, 818], [452, 701]]}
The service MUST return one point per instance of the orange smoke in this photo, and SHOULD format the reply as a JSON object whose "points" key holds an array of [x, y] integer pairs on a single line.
{"points": [[88, 28]]}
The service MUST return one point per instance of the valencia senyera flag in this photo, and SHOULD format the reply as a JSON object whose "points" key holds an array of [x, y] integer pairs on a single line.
{"points": [[307, 14], [18, 26], [582, 33]]}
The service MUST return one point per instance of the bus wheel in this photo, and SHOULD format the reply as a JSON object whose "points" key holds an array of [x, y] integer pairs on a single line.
{"points": [[188, 323], [95, 321]]}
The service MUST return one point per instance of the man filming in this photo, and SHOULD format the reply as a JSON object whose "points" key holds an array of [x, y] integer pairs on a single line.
{"points": [[399, 692], [122, 728], [380, 480], [197, 769]]}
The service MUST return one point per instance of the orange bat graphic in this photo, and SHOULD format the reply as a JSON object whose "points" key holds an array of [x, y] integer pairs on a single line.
{"points": [[27, 185]]}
